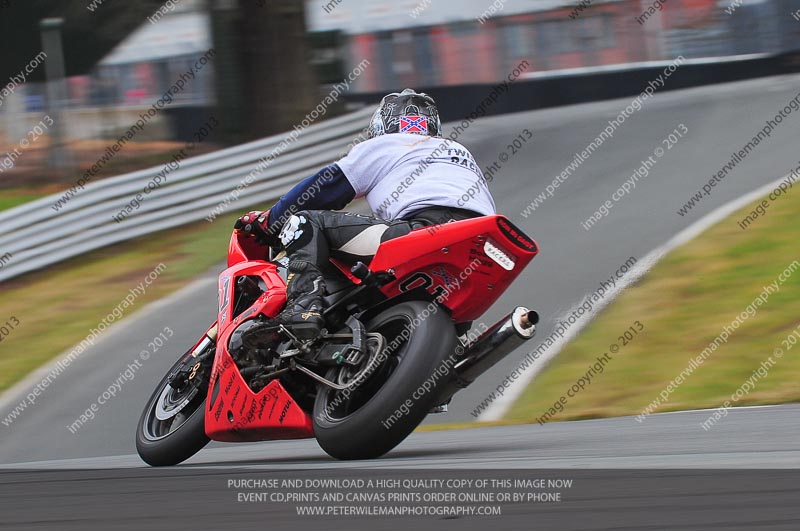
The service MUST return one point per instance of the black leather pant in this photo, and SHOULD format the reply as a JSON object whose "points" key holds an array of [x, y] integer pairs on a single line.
{"points": [[311, 237]]}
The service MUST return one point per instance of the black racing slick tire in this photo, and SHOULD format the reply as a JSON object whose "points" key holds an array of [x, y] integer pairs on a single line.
{"points": [[180, 432], [382, 411]]}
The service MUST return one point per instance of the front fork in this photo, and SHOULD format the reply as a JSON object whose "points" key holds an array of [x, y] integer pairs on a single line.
{"points": [[200, 354], [209, 339]]}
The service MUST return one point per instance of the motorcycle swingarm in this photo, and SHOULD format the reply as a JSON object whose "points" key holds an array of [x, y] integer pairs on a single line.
{"points": [[339, 348]]}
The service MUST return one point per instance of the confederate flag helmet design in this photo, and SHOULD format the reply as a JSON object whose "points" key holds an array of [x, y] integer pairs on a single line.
{"points": [[414, 124]]}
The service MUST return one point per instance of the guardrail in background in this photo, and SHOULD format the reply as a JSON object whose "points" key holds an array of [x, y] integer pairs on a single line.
{"points": [[190, 194], [199, 185]]}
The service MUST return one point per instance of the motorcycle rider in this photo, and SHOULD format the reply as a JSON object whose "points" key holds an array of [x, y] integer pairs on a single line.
{"points": [[409, 174]]}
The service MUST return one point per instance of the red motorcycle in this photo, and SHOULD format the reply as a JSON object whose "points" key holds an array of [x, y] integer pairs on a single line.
{"points": [[392, 351]]}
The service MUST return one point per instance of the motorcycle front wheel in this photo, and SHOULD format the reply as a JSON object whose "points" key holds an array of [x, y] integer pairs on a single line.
{"points": [[171, 428]]}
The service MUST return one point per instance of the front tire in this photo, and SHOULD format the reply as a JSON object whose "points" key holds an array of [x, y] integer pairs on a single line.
{"points": [[381, 412], [171, 428]]}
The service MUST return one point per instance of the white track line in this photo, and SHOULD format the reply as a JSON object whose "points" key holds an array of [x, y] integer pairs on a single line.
{"points": [[501, 405], [11, 397]]}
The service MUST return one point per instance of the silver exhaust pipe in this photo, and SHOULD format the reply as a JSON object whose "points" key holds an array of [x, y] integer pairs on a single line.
{"points": [[490, 347], [496, 343]]}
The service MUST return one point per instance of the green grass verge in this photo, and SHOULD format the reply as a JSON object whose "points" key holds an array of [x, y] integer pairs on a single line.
{"points": [[683, 304], [10, 201], [57, 307]]}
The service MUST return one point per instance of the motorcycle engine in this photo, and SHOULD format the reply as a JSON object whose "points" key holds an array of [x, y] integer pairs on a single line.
{"points": [[253, 349]]}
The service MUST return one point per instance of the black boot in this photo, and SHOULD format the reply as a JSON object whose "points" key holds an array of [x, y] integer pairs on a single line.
{"points": [[304, 303]]}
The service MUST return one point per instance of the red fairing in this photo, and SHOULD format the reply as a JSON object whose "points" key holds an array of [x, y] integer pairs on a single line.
{"points": [[244, 247], [236, 414], [466, 265], [269, 304]]}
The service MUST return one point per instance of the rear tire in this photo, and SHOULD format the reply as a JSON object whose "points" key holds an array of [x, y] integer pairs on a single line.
{"points": [[162, 443], [380, 413]]}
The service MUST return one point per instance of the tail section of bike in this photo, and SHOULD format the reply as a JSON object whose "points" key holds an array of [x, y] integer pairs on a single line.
{"points": [[466, 265]]}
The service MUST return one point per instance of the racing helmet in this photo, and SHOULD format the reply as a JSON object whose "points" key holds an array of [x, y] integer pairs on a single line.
{"points": [[405, 112]]}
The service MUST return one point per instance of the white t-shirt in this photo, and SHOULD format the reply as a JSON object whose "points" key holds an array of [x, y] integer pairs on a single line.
{"points": [[400, 173]]}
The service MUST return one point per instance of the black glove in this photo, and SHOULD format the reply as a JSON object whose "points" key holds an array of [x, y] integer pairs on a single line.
{"points": [[256, 223]]}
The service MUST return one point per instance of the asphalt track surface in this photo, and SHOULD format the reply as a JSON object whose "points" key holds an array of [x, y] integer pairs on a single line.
{"points": [[720, 119], [663, 473], [748, 438]]}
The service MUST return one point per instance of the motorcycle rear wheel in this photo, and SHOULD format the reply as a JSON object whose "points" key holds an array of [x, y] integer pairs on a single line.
{"points": [[381, 412]]}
